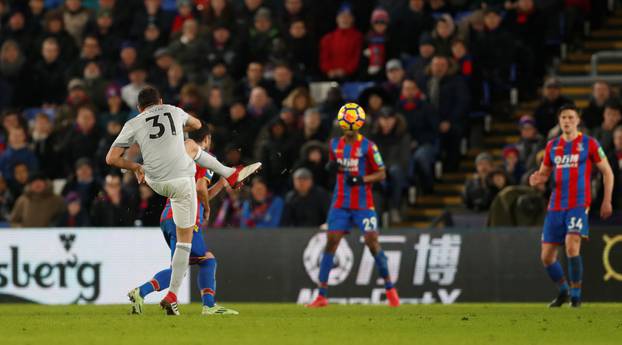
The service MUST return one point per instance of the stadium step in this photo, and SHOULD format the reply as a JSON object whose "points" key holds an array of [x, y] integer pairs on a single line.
{"points": [[436, 201], [586, 68]]}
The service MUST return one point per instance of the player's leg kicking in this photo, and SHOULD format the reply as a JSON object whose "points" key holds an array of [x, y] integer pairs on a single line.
{"points": [[234, 176], [339, 223], [206, 279]]}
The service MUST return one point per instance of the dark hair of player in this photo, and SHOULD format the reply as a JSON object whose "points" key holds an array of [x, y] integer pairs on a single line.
{"points": [[148, 96], [200, 133], [568, 106]]}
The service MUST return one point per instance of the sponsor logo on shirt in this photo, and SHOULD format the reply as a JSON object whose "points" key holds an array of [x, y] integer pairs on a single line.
{"points": [[567, 161]]}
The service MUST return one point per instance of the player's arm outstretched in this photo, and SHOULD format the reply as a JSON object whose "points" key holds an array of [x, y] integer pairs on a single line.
{"points": [[603, 166]]}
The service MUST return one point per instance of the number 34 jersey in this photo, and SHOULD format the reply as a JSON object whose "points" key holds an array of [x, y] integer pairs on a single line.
{"points": [[158, 131]]}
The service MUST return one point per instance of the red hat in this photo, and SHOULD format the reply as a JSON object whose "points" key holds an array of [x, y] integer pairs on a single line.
{"points": [[508, 150], [379, 15]]}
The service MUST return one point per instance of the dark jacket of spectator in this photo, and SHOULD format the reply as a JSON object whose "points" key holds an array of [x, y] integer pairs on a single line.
{"points": [[408, 25], [298, 211], [12, 157], [421, 118], [105, 213], [48, 82], [394, 146], [453, 99]]}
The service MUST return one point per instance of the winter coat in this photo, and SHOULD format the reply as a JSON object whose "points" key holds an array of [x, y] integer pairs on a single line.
{"points": [[37, 210], [341, 49]]}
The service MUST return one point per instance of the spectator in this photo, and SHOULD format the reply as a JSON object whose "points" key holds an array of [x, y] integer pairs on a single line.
{"points": [[89, 51], [106, 34], [282, 85], [216, 107], [44, 146], [592, 116], [12, 71], [152, 12], [529, 25], [240, 129], [299, 100], [443, 34], [340, 50], [38, 206], [83, 139], [66, 115], [277, 154], [302, 48], [422, 121], [495, 49], [83, 183], [462, 57], [293, 11], [418, 65], [191, 99], [260, 107], [312, 126], [175, 80], [229, 211], [16, 29], [128, 58], [410, 23], [113, 128], [219, 78], [21, 174], [395, 76], [450, 97], [6, 202], [247, 12], [297, 212], [48, 75], [512, 165], [129, 93], [222, 48], [95, 84], [476, 191], [263, 209], [496, 181], [149, 207], [158, 72], [115, 110], [262, 35], [253, 78], [390, 133], [184, 12], [189, 49], [313, 157], [612, 117], [112, 208], [151, 42], [17, 151], [377, 48], [75, 18], [530, 142], [546, 112], [218, 11], [74, 215]]}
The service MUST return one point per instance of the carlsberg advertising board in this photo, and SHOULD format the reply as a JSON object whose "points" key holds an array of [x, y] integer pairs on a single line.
{"points": [[65, 266]]}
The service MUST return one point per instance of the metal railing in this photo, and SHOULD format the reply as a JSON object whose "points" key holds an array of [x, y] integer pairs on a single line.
{"points": [[597, 57]]}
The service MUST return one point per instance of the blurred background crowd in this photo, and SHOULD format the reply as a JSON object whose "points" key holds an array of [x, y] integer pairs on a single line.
{"points": [[268, 78]]}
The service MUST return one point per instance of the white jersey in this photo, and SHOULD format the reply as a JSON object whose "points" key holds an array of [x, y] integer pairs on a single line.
{"points": [[159, 131]]}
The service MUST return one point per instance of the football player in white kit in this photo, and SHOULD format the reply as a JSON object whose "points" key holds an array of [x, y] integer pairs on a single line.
{"points": [[168, 169]]}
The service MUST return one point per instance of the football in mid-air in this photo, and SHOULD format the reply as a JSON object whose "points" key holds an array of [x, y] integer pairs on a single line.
{"points": [[351, 117]]}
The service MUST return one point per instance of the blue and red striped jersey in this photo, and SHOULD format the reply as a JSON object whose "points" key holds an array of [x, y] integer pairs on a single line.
{"points": [[358, 159], [167, 213], [572, 169]]}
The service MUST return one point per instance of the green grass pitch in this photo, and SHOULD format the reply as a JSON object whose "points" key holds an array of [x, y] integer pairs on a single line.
{"points": [[276, 324]]}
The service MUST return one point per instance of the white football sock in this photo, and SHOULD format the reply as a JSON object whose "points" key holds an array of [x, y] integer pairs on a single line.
{"points": [[210, 162], [179, 265]]}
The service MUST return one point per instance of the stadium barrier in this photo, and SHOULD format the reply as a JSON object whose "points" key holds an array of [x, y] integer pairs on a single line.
{"points": [[484, 265]]}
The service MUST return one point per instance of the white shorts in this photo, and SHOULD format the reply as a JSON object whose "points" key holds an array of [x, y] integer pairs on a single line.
{"points": [[183, 195]]}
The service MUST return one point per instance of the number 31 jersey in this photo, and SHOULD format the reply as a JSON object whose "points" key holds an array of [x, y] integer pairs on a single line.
{"points": [[158, 131]]}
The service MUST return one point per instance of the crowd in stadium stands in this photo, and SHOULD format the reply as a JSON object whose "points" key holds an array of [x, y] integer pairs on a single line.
{"points": [[70, 72]]}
